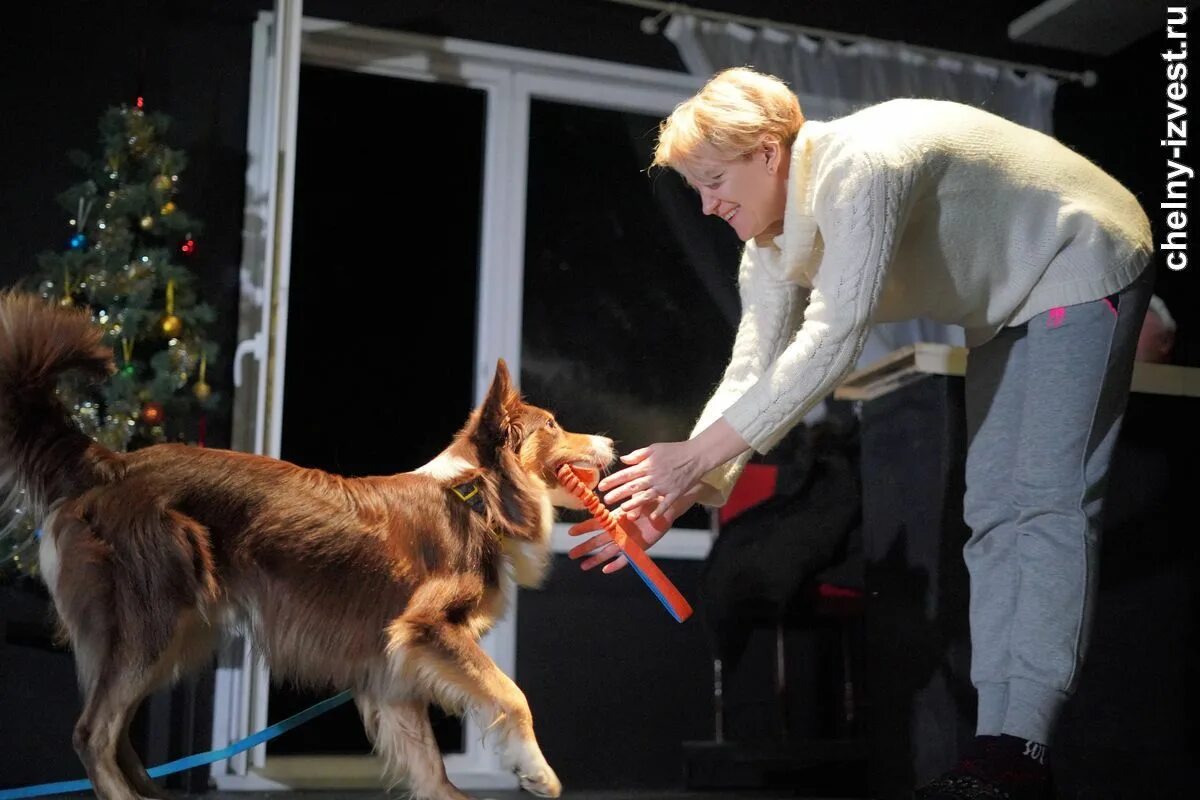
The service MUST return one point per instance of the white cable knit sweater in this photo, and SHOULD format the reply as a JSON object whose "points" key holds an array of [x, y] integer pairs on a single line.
{"points": [[913, 208]]}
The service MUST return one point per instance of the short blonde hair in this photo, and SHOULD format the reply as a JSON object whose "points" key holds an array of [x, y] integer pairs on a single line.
{"points": [[735, 111]]}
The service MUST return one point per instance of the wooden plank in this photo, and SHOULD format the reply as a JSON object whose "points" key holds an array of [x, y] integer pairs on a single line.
{"points": [[914, 361]]}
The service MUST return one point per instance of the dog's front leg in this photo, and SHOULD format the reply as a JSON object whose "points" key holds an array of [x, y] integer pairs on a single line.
{"points": [[454, 666]]}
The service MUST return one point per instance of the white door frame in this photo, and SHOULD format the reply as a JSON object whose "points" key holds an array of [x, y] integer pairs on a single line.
{"points": [[510, 77], [241, 681]]}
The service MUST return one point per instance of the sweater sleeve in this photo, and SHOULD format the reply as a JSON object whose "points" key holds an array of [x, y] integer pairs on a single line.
{"points": [[771, 309], [858, 208]]}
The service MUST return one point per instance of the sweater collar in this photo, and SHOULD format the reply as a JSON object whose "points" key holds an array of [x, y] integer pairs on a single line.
{"points": [[800, 242]]}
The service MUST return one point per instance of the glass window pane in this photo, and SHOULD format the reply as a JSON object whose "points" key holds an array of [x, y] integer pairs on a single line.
{"points": [[382, 307], [630, 293]]}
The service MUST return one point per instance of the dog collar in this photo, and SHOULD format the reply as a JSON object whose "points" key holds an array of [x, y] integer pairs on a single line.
{"points": [[469, 494]]}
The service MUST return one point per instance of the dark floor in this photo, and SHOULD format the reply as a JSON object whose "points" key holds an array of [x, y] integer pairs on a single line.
{"points": [[512, 795]]}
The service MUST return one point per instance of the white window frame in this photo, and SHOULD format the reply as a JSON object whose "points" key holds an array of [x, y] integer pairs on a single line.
{"points": [[511, 78]]}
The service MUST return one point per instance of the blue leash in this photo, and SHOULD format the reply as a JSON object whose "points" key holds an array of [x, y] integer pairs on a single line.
{"points": [[198, 760]]}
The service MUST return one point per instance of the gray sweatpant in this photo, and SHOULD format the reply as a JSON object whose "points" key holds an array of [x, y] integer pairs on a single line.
{"points": [[1044, 407]]}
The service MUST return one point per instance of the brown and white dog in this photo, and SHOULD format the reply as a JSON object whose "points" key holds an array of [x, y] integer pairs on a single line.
{"points": [[382, 585]]}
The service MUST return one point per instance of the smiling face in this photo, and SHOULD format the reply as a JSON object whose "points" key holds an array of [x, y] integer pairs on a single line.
{"points": [[749, 192]]}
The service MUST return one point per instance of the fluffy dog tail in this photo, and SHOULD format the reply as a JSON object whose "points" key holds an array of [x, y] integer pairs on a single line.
{"points": [[41, 449]]}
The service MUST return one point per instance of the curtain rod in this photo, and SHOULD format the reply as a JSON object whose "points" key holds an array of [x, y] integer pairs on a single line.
{"points": [[650, 26]]}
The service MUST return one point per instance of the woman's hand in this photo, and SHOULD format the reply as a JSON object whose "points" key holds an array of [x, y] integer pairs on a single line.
{"points": [[658, 476], [661, 474], [600, 548]]}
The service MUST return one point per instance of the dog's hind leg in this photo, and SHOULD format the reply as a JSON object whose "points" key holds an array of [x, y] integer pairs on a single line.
{"points": [[191, 646], [404, 738], [132, 768], [111, 684], [110, 702], [120, 676], [132, 603]]}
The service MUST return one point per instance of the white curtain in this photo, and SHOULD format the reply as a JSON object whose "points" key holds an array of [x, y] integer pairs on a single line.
{"points": [[834, 79]]}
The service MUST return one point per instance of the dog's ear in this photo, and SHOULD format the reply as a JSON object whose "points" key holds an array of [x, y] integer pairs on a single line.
{"points": [[495, 414], [501, 380]]}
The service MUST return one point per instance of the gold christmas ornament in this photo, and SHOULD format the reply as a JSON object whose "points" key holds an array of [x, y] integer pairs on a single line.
{"points": [[172, 326], [162, 183], [147, 222], [169, 208], [66, 300], [202, 390]]}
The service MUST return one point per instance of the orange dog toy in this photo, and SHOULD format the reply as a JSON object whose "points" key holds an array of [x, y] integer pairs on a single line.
{"points": [[627, 541]]}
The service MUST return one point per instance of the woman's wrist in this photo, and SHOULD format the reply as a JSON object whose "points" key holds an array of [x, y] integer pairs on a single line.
{"points": [[715, 445]]}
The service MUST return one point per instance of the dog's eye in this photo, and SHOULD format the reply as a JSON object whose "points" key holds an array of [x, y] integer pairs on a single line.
{"points": [[551, 423]]}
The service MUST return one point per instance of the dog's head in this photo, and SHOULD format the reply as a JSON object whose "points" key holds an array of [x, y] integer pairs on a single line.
{"points": [[506, 428]]}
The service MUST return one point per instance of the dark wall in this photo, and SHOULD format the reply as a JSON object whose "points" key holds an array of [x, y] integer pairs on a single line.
{"points": [[69, 60], [1118, 124], [64, 62]]}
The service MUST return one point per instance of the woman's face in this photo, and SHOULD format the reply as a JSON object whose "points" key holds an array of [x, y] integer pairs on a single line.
{"points": [[748, 192]]}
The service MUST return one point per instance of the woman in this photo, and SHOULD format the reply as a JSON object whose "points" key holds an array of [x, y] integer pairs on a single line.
{"points": [[923, 208]]}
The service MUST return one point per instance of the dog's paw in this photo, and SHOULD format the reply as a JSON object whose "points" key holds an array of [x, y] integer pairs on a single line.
{"points": [[543, 783], [151, 791]]}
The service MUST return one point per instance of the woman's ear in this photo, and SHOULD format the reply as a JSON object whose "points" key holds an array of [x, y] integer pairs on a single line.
{"points": [[771, 151]]}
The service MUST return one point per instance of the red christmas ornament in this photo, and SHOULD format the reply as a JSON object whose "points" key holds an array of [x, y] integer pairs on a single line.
{"points": [[189, 246], [152, 413], [140, 101]]}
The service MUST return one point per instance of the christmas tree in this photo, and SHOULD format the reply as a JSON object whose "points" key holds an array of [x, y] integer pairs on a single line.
{"points": [[125, 261]]}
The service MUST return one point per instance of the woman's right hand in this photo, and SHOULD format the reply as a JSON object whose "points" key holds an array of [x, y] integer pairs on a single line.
{"points": [[600, 548]]}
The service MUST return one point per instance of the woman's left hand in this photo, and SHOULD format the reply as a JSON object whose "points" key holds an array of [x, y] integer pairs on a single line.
{"points": [[600, 548], [658, 475]]}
